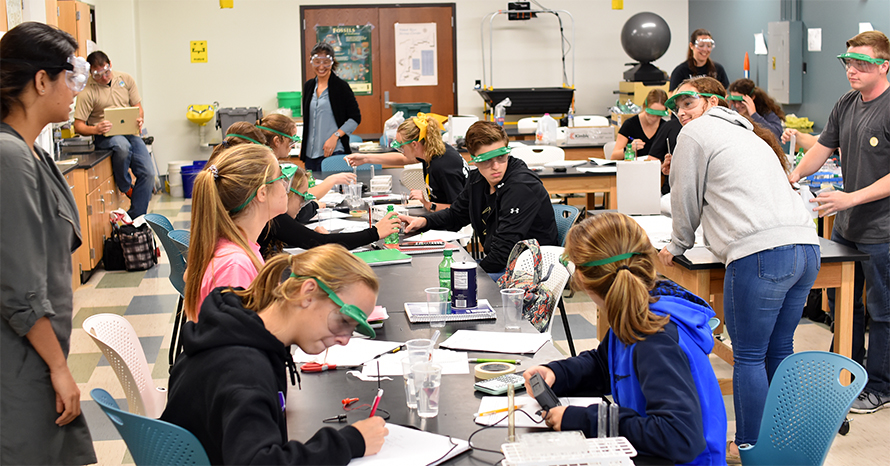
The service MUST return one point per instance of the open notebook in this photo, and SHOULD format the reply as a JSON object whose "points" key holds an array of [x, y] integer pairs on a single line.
{"points": [[419, 312], [408, 446]]}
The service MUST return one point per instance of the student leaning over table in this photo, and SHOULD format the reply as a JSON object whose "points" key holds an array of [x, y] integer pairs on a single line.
{"points": [[654, 358], [240, 189], [859, 124], [228, 386], [504, 201], [723, 171]]}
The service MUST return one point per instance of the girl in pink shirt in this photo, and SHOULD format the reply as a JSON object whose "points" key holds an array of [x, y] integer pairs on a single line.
{"points": [[238, 192]]}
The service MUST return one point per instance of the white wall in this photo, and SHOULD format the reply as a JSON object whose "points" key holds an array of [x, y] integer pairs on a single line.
{"points": [[254, 51]]}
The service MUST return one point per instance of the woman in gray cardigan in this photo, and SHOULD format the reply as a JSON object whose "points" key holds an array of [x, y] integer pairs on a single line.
{"points": [[40, 406]]}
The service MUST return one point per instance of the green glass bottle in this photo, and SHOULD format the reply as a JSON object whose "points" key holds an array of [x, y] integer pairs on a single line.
{"points": [[311, 179], [392, 238]]}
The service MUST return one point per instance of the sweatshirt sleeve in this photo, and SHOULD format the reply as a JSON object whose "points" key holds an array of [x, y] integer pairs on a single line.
{"points": [[518, 207], [251, 434], [588, 370], [689, 167], [453, 218], [771, 122], [293, 233]]}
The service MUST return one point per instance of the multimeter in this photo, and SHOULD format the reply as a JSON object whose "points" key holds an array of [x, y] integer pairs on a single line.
{"points": [[543, 393], [498, 385]]}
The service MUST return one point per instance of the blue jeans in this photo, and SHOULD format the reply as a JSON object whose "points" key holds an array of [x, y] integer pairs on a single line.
{"points": [[129, 152], [875, 272], [763, 298]]}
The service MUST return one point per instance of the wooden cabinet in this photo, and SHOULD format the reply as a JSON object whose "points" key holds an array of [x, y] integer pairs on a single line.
{"points": [[52, 12], [76, 19], [96, 195]]}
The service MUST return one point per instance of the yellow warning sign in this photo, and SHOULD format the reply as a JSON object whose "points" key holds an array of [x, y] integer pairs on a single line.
{"points": [[199, 51]]}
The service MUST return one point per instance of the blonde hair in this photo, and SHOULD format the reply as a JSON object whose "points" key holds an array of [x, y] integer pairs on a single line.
{"points": [[279, 123], [624, 285], [225, 183], [655, 96], [242, 128], [433, 146], [330, 263]]}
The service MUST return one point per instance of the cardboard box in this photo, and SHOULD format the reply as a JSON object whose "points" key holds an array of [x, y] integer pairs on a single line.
{"points": [[589, 136]]}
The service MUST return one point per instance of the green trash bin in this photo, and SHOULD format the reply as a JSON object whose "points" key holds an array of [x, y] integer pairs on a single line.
{"points": [[291, 100], [410, 109]]}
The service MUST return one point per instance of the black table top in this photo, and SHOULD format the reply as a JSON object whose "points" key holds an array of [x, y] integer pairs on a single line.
{"points": [[573, 171]]}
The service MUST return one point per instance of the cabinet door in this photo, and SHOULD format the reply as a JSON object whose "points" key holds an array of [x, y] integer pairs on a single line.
{"points": [[52, 13], [75, 19], [71, 178], [95, 220]]}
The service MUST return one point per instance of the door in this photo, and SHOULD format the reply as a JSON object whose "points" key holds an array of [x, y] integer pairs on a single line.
{"points": [[442, 96]]}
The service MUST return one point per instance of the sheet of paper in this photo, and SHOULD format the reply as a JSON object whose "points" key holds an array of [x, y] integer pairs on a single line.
{"points": [[496, 342], [332, 198], [333, 214], [600, 161], [412, 447], [452, 362], [338, 224], [440, 235], [814, 40], [659, 229], [759, 44], [528, 404], [356, 352], [865, 27], [603, 169]]}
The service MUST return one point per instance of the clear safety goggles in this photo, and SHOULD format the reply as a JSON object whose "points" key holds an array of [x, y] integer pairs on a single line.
{"points": [[499, 155], [287, 173], [687, 100], [705, 43], [398, 145], [102, 71], [77, 70], [860, 62], [349, 318], [661, 113], [294, 139], [321, 60]]}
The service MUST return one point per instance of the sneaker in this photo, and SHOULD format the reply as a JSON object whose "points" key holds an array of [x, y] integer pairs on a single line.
{"points": [[129, 193], [868, 403], [730, 458]]}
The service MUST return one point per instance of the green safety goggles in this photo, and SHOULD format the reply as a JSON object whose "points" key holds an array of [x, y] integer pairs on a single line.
{"points": [[307, 196], [287, 172], [295, 139], [398, 145], [349, 310], [661, 113], [735, 98], [860, 61], [672, 103], [491, 154]]}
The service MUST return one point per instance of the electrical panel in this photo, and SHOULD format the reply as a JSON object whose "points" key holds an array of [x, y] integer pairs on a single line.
{"points": [[785, 61]]}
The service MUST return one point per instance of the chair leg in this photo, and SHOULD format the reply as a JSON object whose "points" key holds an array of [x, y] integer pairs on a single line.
{"points": [[565, 325], [175, 341]]}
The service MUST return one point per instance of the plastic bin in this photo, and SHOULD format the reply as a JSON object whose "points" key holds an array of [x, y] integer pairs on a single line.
{"points": [[410, 109], [292, 100], [226, 116], [188, 179]]}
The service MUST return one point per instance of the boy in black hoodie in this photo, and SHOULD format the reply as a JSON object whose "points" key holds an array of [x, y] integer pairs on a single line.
{"points": [[503, 200]]}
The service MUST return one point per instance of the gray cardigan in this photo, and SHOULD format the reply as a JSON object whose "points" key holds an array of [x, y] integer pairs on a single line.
{"points": [[724, 177]]}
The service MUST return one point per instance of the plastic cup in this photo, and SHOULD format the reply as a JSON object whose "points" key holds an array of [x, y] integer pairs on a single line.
{"points": [[427, 381], [438, 303], [325, 216], [419, 350], [354, 194], [410, 391], [511, 301]]}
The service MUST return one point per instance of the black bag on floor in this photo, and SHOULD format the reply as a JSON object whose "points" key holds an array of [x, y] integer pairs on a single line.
{"points": [[139, 248], [113, 254]]}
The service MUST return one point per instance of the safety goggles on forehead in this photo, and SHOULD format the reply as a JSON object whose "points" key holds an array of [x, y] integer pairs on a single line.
{"points": [[321, 59], [398, 145], [349, 315], [705, 43], [294, 139], [686, 100], [735, 98], [286, 174], [500, 152], [101, 72], [661, 113], [860, 61]]}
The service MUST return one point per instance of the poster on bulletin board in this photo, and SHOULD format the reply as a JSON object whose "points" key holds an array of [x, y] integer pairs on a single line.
{"points": [[352, 50], [416, 55]]}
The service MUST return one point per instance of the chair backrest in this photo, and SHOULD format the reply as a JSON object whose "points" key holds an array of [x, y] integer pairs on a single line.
{"points": [[412, 178], [638, 186], [527, 125], [337, 163], [566, 216], [607, 149], [559, 274], [591, 120], [180, 239], [356, 139], [118, 341], [805, 407], [538, 155], [152, 441], [162, 226]]}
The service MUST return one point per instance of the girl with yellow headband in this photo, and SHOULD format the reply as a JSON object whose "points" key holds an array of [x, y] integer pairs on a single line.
{"points": [[419, 139]]}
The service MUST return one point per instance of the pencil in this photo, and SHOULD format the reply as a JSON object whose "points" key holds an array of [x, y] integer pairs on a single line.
{"points": [[502, 410], [511, 361]]}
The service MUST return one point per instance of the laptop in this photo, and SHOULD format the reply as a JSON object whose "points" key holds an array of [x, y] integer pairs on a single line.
{"points": [[123, 120]]}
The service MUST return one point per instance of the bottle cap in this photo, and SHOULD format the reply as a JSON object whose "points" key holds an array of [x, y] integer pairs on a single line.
{"points": [[447, 252]]}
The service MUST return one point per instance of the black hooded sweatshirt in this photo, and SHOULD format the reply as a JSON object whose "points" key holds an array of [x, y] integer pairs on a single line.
{"points": [[520, 210], [225, 389]]}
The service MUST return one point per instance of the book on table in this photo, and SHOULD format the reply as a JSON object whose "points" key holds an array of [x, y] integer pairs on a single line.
{"points": [[384, 257]]}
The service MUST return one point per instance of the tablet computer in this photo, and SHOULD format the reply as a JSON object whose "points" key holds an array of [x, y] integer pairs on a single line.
{"points": [[123, 120]]}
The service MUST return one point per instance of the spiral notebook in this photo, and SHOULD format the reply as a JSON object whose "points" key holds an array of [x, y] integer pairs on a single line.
{"points": [[419, 312]]}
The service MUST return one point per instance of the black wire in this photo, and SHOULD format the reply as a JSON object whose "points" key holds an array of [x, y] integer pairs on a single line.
{"points": [[470, 439], [453, 446]]}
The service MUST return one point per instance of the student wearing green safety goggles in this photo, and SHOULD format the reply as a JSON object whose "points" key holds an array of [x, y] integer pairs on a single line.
{"points": [[690, 104], [639, 130]]}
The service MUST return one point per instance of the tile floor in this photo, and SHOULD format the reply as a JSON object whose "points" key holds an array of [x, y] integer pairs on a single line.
{"points": [[148, 301]]}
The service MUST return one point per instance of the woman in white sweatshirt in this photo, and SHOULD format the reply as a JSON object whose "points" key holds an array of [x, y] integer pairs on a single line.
{"points": [[729, 175]]}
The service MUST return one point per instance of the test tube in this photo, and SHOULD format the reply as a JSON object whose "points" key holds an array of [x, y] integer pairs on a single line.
{"points": [[601, 421], [613, 420], [511, 420]]}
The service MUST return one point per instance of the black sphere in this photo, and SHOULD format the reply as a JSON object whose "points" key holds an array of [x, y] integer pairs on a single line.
{"points": [[645, 37]]}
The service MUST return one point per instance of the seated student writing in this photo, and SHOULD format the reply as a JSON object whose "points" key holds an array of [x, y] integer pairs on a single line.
{"points": [[503, 200], [654, 358], [228, 387], [286, 231], [640, 130]]}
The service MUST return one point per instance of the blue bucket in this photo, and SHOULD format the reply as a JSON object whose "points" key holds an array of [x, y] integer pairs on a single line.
{"points": [[188, 179]]}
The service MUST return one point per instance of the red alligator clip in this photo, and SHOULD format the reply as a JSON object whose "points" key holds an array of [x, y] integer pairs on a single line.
{"points": [[348, 401]]}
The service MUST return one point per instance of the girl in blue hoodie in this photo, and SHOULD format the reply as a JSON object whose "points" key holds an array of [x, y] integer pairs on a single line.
{"points": [[654, 358]]}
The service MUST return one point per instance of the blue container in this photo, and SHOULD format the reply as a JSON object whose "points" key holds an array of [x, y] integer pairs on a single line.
{"points": [[463, 285], [188, 179]]}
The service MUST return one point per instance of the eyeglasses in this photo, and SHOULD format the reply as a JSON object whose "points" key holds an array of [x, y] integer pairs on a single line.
{"points": [[860, 61], [349, 318], [705, 43], [101, 72], [687, 100], [321, 60], [287, 173], [398, 145]]}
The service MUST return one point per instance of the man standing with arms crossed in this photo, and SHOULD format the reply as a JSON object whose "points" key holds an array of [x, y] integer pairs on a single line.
{"points": [[859, 124], [112, 89]]}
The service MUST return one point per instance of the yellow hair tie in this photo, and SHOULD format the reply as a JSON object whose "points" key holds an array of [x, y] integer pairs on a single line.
{"points": [[422, 122]]}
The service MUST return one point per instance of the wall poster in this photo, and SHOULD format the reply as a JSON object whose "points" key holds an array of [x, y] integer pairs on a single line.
{"points": [[352, 50], [416, 55]]}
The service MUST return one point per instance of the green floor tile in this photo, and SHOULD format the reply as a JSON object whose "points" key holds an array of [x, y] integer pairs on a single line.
{"points": [[82, 365], [86, 312], [161, 369], [121, 280], [128, 458]]}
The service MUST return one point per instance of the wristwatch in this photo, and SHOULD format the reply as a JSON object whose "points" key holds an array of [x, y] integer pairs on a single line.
{"points": [[432, 206]]}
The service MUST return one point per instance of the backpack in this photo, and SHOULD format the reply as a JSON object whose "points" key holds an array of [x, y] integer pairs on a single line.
{"points": [[140, 252], [538, 302]]}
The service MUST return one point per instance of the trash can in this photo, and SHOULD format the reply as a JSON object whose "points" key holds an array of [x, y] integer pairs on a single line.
{"points": [[226, 116], [410, 109], [292, 100], [188, 179]]}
